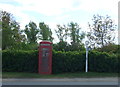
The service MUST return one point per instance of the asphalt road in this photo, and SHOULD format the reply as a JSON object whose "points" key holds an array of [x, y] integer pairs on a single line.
{"points": [[65, 81]]}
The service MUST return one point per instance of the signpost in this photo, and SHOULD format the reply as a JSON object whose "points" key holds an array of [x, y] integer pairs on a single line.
{"points": [[87, 49]]}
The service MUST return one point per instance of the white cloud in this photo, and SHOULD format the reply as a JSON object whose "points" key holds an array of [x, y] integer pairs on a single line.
{"points": [[46, 7], [18, 13], [57, 9], [95, 5]]}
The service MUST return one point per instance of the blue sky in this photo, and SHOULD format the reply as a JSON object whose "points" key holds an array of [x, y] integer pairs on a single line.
{"points": [[54, 12]]}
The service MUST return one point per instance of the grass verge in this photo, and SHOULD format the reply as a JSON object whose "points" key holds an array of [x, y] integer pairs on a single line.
{"points": [[63, 75]]}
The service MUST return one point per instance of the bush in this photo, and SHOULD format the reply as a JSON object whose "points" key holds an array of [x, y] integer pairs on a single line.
{"points": [[27, 61], [68, 61], [103, 62], [20, 61], [110, 48]]}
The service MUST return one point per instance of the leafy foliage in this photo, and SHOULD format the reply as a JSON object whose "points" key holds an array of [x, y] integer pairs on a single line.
{"points": [[62, 32], [72, 31], [11, 33], [61, 46], [20, 61], [25, 46], [110, 48], [72, 61], [45, 31], [75, 34], [101, 31], [31, 31]]}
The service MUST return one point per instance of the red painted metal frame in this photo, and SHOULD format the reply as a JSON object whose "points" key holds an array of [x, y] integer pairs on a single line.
{"points": [[40, 57]]}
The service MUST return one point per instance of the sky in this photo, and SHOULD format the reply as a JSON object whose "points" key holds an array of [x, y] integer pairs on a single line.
{"points": [[53, 12]]}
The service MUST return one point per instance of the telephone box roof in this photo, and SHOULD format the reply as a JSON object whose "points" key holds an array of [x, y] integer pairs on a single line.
{"points": [[45, 42]]}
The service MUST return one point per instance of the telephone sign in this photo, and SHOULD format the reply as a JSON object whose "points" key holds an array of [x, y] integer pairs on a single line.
{"points": [[45, 58]]}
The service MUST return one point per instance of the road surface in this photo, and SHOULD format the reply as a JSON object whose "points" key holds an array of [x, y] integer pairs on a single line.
{"points": [[65, 81]]}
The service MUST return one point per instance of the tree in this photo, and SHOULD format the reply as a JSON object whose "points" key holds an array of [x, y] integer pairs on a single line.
{"points": [[62, 32], [45, 32], [101, 31], [72, 31], [11, 33], [76, 35], [31, 31], [61, 46]]}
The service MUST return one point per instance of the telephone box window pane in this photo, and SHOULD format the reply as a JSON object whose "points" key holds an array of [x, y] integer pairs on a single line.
{"points": [[45, 52], [45, 44]]}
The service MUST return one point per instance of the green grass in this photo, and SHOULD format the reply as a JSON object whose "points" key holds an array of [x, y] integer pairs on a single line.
{"points": [[63, 75]]}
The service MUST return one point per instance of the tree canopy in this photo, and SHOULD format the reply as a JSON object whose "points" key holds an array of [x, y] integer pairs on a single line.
{"points": [[45, 32], [101, 31], [11, 33], [101, 34], [31, 31]]}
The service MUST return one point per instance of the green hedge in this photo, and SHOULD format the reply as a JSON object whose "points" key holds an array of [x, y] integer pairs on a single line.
{"points": [[20, 61], [103, 62], [68, 61], [27, 61]]}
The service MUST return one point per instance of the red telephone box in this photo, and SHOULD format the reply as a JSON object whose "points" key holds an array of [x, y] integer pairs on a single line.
{"points": [[45, 58]]}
